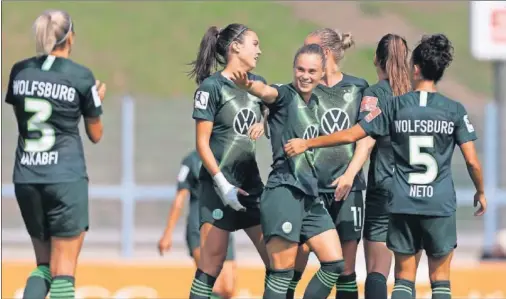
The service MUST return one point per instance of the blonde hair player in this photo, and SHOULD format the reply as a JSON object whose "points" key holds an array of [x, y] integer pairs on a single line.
{"points": [[50, 93]]}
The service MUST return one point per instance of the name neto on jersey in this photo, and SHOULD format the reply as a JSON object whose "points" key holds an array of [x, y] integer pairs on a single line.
{"points": [[424, 126]]}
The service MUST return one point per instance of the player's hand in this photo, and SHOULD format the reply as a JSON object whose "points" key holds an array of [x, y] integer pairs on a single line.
{"points": [[240, 79], [164, 244], [344, 184], [256, 131], [101, 89], [295, 147], [480, 198], [228, 192]]}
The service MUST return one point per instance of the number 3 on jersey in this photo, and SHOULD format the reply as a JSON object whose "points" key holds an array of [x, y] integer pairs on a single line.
{"points": [[43, 111], [416, 157]]}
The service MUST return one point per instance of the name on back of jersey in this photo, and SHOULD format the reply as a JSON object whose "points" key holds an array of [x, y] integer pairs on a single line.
{"points": [[43, 90], [39, 158], [424, 126]]}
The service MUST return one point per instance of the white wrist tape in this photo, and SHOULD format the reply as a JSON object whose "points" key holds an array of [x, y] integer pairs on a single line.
{"points": [[221, 181]]}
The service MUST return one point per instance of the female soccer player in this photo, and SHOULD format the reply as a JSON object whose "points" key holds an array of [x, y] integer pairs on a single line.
{"points": [[291, 211], [230, 183], [424, 127], [340, 179], [50, 93], [391, 62]]}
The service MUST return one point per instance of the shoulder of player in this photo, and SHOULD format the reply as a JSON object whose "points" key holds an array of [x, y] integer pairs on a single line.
{"points": [[450, 105], [359, 82], [22, 64]]}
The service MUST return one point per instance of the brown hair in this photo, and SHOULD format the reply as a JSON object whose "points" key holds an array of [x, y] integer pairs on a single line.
{"points": [[392, 57], [213, 50], [334, 40]]}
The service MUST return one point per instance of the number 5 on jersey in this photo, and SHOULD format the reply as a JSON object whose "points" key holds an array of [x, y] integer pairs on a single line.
{"points": [[37, 122]]}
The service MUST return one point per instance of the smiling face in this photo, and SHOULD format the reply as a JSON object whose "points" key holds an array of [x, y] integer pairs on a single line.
{"points": [[248, 51], [307, 72]]}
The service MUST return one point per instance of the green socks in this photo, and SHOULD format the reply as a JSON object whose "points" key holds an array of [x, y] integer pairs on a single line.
{"points": [[38, 283], [202, 286], [293, 284], [324, 280], [403, 289], [277, 284], [62, 287], [441, 289], [346, 287]]}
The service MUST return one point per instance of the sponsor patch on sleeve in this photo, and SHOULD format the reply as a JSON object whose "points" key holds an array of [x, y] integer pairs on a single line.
{"points": [[373, 114], [96, 97], [183, 173], [469, 125], [201, 99], [368, 104]]}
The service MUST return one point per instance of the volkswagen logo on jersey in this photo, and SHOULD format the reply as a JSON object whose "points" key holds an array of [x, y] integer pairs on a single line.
{"points": [[243, 120], [310, 132], [334, 120]]}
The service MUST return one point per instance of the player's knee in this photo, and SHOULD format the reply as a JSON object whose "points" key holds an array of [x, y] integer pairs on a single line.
{"points": [[336, 267]]}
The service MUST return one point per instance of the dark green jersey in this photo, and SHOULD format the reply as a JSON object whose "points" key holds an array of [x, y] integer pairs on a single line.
{"points": [[424, 129], [49, 95], [188, 176], [338, 110], [290, 117], [233, 111], [381, 167]]}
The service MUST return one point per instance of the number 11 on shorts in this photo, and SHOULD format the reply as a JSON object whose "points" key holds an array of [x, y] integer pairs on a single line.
{"points": [[357, 217]]}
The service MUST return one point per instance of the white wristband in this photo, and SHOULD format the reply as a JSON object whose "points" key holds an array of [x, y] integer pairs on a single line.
{"points": [[220, 180]]}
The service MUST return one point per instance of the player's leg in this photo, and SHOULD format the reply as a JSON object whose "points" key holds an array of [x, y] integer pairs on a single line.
{"points": [[249, 221], [67, 214], [30, 204], [404, 238], [349, 227], [319, 230], [216, 223], [378, 257], [225, 284], [439, 242], [304, 250], [281, 209], [300, 265]]}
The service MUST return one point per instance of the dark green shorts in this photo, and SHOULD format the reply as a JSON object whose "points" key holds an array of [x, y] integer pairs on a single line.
{"points": [[289, 213], [54, 210], [408, 234], [376, 217], [193, 232], [348, 215], [213, 211]]}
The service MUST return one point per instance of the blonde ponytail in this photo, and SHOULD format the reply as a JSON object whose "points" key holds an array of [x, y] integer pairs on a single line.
{"points": [[335, 41], [51, 28], [347, 40]]}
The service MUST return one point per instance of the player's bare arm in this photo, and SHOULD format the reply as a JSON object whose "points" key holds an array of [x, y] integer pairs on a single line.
{"points": [[345, 182], [297, 146], [257, 88], [474, 168], [93, 125], [204, 130], [165, 242]]}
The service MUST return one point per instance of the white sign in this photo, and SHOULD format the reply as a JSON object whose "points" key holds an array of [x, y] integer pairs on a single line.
{"points": [[488, 30]]}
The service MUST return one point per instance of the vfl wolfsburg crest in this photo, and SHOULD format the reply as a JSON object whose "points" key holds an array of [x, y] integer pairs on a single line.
{"points": [[243, 120], [334, 120]]}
